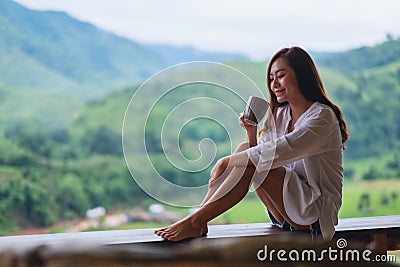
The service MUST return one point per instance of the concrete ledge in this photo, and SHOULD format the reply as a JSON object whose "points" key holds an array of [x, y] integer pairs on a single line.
{"points": [[225, 245], [359, 228], [240, 251], [133, 236]]}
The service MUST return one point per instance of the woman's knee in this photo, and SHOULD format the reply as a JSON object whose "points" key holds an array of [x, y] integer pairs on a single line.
{"points": [[235, 175], [241, 147]]}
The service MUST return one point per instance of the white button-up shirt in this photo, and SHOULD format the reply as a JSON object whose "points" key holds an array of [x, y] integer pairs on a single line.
{"points": [[314, 151]]}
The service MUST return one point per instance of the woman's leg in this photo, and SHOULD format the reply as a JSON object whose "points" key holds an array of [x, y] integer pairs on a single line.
{"points": [[233, 189], [212, 188], [271, 194]]}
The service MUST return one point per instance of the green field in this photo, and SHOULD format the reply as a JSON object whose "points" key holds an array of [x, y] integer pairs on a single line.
{"points": [[382, 196], [251, 209]]}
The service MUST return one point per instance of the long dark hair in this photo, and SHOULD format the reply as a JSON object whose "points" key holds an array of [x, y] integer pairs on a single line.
{"points": [[309, 81]]}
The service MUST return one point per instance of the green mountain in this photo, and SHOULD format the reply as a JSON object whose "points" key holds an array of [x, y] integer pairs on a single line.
{"points": [[369, 99], [362, 58], [372, 104], [53, 51], [36, 109], [52, 63]]}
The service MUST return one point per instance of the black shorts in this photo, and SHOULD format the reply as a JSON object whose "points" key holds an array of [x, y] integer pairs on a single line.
{"points": [[314, 228]]}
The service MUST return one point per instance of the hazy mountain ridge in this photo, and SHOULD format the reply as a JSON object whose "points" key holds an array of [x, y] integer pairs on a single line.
{"points": [[48, 55], [76, 57], [361, 58]]}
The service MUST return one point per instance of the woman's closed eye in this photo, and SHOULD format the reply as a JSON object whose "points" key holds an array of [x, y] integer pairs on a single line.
{"points": [[280, 76]]}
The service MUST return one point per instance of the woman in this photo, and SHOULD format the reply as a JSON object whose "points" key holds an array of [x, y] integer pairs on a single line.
{"points": [[296, 170]]}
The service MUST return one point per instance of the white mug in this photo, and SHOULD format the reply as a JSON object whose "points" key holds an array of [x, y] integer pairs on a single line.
{"points": [[255, 110]]}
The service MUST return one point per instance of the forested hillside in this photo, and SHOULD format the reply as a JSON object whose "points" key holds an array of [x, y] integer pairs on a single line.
{"points": [[362, 58], [54, 51], [370, 97], [47, 56]]}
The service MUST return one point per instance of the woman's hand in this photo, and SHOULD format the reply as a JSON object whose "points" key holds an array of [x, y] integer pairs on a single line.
{"points": [[247, 126], [218, 169], [251, 130]]}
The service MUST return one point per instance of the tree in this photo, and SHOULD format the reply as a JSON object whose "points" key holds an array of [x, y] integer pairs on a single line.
{"points": [[103, 141], [11, 199], [32, 140], [39, 205], [71, 197]]}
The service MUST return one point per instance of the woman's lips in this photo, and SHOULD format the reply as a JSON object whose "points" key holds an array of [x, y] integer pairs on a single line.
{"points": [[279, 91]]}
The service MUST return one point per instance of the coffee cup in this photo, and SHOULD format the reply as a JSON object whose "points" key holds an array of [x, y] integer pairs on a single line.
{"points": [[255, 110]]}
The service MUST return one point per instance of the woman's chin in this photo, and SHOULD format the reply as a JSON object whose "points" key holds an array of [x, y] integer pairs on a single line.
{"points": [[281, 100]]}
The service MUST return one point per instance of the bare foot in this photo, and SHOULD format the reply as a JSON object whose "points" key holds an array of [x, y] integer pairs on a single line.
{"points": [[182, 230]]}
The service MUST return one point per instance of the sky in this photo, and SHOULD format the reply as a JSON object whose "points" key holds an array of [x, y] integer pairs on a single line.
{"points": [[255, 28]]}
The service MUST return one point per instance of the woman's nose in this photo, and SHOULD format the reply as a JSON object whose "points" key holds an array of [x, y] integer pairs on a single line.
{"points": [[275, 83]]}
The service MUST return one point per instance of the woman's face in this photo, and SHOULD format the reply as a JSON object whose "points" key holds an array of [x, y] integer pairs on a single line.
{"points": [[284, 82]]}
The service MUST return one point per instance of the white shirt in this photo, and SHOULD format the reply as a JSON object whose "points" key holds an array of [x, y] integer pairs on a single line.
{"points": [[314, 151]]}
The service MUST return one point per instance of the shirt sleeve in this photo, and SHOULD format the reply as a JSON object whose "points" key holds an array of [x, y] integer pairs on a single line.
{"points": [[310, 138]]}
